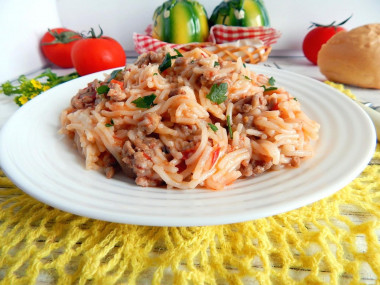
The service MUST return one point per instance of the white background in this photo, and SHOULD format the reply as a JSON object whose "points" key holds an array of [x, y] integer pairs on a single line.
{"points": [[120, 18]]}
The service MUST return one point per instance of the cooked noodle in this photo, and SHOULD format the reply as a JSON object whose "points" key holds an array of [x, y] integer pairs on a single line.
{"points": [[184, 138]]}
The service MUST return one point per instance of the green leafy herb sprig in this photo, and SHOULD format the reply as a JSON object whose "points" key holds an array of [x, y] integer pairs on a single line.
{"points": [[213, 127], [145, 102], [271, 82], [26, 89], [102, 89], [110, 124], [167, 62], [218, 93]]}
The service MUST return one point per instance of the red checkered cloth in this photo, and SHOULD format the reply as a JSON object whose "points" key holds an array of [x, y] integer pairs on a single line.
{"points": [[218, 34]]}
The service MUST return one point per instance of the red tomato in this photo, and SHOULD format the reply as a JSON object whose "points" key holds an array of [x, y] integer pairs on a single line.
{"points": [[318, 36], [94, 54], [56, 45]]}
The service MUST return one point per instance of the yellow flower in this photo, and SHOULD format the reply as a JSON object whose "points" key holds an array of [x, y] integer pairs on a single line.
{"points": [[341, 88], [33, 95], [45, 88], [23, 100], [36, 84]]}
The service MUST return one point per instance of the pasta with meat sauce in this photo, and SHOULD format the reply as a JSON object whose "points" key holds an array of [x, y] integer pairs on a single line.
{"points": [[188, 119]]}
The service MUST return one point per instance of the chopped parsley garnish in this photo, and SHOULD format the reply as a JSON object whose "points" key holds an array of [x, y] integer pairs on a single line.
{"points": [[102, 89], [178, 54], [114, 74], [167, 62], [216, 64], [295, 99], [271, 81], [244, 65], [218, 93], [110, 124], [192, 61], [213, 127], [246, 77], [145, 102], [155, 73], [269, 88], [229, 126]]}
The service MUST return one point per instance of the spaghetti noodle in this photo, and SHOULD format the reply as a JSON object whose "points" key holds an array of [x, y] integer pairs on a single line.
{"points": [[188, 120]]}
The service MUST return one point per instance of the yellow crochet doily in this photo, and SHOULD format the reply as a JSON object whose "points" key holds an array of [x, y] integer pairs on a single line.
{"points": [[333, 241]]}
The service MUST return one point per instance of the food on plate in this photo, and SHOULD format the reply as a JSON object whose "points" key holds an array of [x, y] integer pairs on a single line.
{"points": [[353, 57], [56, 45], [188, 119], [96, 53], [246, 13], [319, 35], [180, 22]]}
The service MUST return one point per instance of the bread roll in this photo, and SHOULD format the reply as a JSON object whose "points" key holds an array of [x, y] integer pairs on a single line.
{"points": [[353, 57]]}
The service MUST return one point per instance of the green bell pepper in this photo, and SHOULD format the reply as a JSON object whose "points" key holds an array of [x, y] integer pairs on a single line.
{"points": [[244, 13], [180, 22]]}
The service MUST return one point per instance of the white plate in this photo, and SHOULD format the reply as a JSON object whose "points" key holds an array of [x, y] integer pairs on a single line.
{"points": [[45, 165]]}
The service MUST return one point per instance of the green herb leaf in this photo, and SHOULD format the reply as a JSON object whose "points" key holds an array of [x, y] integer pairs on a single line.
{"points": [[213, 127], [145, 102], [244, 65], [218, 93], [246, 77], [166, 63], [271, 81], [114, 74], [110, 124], [295, 99], [178, 54], [155, 73], [216, 64], [268, 88], [102, 89], [229, 126]]}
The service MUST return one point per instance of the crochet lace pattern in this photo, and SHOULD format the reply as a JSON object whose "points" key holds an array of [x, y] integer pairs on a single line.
{"points": [[334, 240]]}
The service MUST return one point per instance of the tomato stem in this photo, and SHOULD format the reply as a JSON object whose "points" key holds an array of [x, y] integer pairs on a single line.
{"points": [[63, 37], [330, 25], [93, 35]]}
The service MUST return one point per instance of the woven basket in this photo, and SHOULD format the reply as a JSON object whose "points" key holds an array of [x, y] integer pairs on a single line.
{"points": [[248, 54]]}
